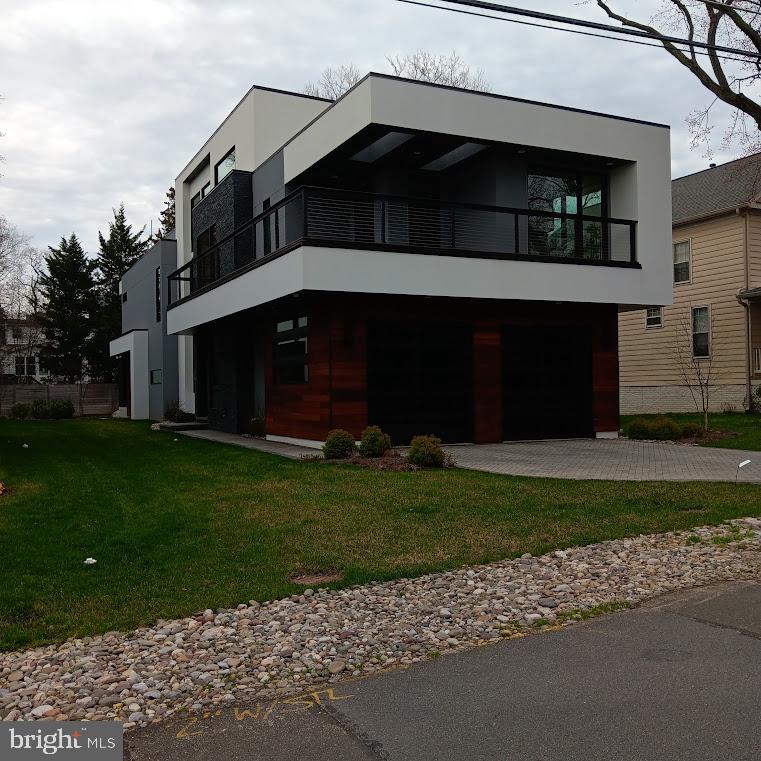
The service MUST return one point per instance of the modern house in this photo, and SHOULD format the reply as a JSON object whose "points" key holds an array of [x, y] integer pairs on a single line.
{"points": [[714, 323], [424, 258], [21, 343], [147, 355]]}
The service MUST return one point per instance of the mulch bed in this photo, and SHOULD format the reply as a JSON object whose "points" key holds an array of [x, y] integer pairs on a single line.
{"points": [[391, 461]]}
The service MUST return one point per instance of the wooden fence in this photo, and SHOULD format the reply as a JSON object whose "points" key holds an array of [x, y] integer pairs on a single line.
{"points": [[87, 398]]}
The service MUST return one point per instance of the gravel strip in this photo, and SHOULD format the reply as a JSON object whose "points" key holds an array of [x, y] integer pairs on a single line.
{"points": [[322, 636]]}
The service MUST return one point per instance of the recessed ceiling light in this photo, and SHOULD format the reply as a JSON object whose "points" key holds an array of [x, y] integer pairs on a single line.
{"points": [[521, 151]]}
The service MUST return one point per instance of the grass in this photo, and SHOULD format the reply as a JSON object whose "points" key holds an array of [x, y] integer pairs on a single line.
{"points": [[179, 526], [747, 427]]}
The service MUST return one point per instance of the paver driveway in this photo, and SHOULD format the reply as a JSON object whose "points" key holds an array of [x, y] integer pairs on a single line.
{"points": [[609, 459]]}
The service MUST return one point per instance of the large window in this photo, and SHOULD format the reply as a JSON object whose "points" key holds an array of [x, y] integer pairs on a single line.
{"points": [[701, 332], [206, 271], [682, 262], [567, 193], [26, 366], [224, 167], [654, 317], [289, 356]]}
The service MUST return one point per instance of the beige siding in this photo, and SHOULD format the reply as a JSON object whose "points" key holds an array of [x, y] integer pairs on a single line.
{"points": [[754, 248], [647, 355]]}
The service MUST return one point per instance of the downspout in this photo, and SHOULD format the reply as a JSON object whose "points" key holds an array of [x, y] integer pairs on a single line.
{"points": [[746, 305]]}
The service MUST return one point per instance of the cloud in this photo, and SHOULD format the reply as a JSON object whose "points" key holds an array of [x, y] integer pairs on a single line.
{"points": [[105, 102]]}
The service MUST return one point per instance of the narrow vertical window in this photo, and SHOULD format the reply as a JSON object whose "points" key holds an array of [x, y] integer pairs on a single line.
{"points": [[701, 332], [682, 262], [289, 356], [158, 294]]}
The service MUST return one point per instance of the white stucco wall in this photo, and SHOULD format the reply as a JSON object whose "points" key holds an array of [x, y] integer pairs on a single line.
{"points": [[135, 343]]}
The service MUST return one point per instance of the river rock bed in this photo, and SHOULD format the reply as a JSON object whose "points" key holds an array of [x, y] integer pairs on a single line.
{"points": [[320, 637]]}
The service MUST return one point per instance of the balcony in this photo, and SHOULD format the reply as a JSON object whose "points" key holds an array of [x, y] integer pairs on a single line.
{"points": [[345, 219]]}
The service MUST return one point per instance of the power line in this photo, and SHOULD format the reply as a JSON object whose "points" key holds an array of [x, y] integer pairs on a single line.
{"points": [[580, 22]]}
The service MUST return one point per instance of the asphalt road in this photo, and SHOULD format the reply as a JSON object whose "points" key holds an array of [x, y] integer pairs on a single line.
{"points": [[678, 679]]}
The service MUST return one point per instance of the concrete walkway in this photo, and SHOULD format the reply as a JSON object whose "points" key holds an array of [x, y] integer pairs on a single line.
{"points": [[290, 451], [610, 459]]}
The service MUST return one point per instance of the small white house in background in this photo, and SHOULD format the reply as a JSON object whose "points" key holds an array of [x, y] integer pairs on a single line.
{"points": [[423, 258], [21, 343]]}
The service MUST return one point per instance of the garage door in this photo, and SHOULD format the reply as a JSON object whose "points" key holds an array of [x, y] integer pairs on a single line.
{"points": [[547, 382], [420, 380]]}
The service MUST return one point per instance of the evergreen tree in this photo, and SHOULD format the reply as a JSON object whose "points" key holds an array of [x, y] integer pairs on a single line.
{"points": [[67, 288], [118, 252], [167, 215]]}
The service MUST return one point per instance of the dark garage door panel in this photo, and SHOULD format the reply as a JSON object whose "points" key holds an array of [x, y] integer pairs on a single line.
{"points": [[420, 380], [547, 382]]}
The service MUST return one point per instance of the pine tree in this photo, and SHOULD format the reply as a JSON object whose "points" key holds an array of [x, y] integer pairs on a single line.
{"points": [[67, 288], [167, 215], [118, 252]]}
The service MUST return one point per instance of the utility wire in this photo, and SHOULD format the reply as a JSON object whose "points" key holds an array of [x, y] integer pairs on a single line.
{"points": [[616, 30]]}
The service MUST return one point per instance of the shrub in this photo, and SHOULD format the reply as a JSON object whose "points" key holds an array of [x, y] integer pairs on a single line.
{"points": [[40, 409], [61, 409], [374, 442], [175, 414], [20, 411], [339, 445], [639, 428], [426, 452], [692, 431], [755, 400], [665, 429]]}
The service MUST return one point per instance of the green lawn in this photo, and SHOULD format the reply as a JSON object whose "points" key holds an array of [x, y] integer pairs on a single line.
{"points": [[747, 427], [180, 526]]}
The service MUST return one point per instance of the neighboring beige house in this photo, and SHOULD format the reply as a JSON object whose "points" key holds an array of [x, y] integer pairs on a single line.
{"points": [[716, 314]]}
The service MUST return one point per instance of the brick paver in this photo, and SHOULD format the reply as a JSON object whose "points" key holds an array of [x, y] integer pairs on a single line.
{"points": [[610, 459]]}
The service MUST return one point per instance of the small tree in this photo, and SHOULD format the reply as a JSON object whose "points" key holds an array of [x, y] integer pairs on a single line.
{"points": [[166, 216], [70, 301], [118, 252], [334, 82], [697, 372]]}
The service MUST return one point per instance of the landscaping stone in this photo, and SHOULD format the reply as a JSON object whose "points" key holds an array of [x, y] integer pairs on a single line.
{"points": [[259, 651]]}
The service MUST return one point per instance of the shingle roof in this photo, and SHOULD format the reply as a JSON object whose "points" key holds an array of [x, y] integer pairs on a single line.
{"points": [[713, 190]]}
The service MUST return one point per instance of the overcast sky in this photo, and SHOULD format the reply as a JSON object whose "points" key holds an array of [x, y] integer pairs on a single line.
{"points": [[104, 102]]}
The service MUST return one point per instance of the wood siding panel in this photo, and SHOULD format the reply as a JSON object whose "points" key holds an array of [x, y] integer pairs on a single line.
{"points": [[487, 383], [647, 355]]}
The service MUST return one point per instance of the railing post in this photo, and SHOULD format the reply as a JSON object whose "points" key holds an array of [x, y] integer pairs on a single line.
{"points": [[632, 242]]}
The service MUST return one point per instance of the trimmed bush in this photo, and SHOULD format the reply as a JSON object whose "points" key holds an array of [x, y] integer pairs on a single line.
{"points": [[20, 411], [426, 452], [175, 414], [339, 445], [374, 442], [61, 409], [692, 431], [639, 428], [665, 429], [40, 409]]}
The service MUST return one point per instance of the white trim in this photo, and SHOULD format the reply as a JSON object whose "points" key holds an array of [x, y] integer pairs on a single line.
{"points": [[135, 343], [310, 443]]}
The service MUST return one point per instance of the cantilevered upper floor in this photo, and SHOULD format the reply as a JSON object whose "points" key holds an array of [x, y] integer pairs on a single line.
{"points": [[403, 187]]}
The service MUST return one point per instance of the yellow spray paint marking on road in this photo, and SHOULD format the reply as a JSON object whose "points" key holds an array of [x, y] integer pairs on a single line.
{"points": [[194, 727]]}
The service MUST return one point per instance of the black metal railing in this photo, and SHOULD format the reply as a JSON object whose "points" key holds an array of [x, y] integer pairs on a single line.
{"points": [[323, 216]]}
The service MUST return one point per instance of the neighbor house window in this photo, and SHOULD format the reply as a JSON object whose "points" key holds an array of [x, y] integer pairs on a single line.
{"points": [[155, 377], [682, 262], [701, 332], [158, 294], [654, 317], [224, 167], [26, 365], [289, 356]]}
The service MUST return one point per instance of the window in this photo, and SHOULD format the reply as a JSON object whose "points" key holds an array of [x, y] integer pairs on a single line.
{"points": [[17, 334], [224, 167], [205, 190], [26, 366], [195, 200], [701, 332], [654, 317], [158, 294], [155, 377], [572, 193], [289, 356], [206, 240], [682, 262]]}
